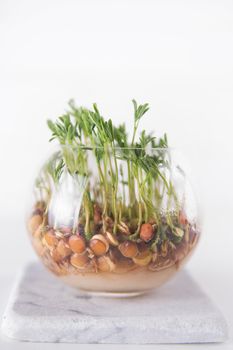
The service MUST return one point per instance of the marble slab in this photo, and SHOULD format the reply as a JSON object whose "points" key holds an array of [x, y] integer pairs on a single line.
{"points": [[42, 309]]}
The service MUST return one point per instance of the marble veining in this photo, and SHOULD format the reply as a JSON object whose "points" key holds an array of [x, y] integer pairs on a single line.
{"points": [[42, 309]]}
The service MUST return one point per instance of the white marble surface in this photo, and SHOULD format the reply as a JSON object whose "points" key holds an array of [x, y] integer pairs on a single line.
{"points": [[41, 309]]}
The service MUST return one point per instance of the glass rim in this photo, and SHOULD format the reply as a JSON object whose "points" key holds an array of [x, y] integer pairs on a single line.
{"points": [[92, 148]]}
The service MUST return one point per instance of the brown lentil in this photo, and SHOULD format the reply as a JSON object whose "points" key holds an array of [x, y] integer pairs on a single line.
{"points": [[77, 244], [79, 260], [128, 249], [146, 232]]}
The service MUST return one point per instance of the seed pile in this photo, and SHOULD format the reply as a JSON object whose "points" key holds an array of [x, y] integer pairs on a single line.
{"points": [[66, 252]]}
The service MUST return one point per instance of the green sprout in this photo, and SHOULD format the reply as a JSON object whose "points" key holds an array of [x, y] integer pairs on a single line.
{"points": [[131, 181]]}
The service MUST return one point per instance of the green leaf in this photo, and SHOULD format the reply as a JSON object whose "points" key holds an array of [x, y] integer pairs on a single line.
{"points": [[140, 110]]}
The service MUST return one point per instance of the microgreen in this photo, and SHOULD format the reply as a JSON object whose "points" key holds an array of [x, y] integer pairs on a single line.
{"points": [[131, 177]]}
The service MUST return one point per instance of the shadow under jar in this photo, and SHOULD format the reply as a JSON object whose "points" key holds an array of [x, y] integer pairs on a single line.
{"points": [[122, 224]]}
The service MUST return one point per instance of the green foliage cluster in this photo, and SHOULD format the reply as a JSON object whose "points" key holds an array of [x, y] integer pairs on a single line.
{"points": [[131, 177]]}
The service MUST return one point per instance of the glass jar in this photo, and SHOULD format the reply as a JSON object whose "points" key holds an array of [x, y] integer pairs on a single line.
{"points": [[114, 221]]}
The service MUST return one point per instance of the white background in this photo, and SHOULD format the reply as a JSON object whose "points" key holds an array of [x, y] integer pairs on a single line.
{"points": [[176, 55]]}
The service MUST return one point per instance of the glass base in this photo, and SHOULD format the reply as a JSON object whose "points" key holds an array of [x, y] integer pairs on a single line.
{"points": [[114, 295]]}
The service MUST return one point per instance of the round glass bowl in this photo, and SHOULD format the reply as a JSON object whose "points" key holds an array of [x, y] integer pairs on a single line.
{"points": [[115, 226]]}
